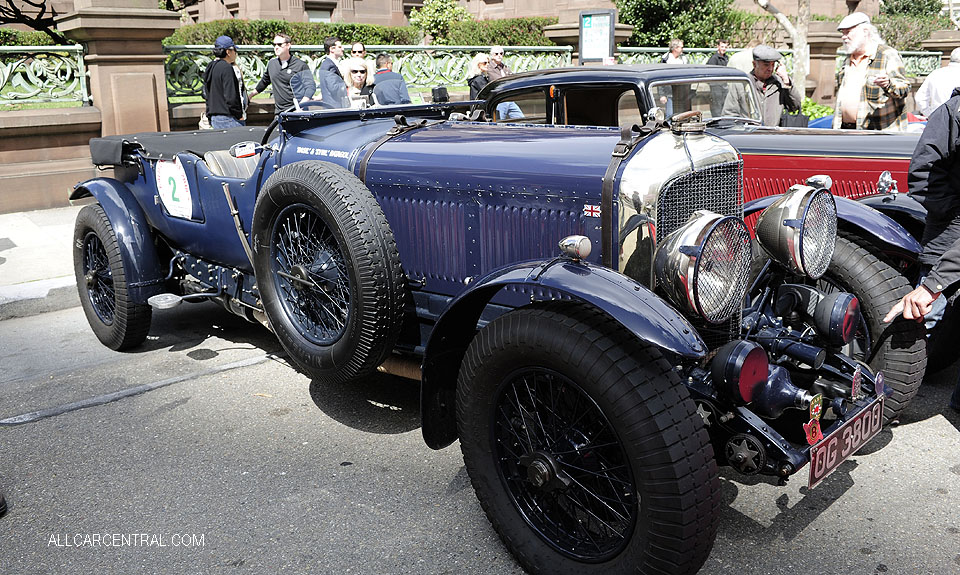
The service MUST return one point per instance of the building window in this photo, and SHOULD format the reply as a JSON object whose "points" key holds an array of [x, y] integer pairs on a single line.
{"points": [[319, 15]]}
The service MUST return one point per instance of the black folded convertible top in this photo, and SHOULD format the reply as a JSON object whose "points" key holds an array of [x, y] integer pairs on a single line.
{"points": [[166, 145]]}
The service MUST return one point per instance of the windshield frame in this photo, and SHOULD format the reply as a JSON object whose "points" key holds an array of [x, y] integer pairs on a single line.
{"points": [[689, 81]]}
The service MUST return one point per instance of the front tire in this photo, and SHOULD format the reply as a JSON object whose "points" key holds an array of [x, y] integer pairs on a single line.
{"points": [[117, 321], [584, 448], [898, 348], [328, 270]]}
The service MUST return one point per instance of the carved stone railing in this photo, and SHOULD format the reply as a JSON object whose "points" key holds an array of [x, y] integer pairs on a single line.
{"points": [[917, 64], [421, 66], [694, 55], [42, 74]]}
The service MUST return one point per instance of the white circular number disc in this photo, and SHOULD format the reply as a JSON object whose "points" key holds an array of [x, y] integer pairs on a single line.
{"points": [[173, 188]]}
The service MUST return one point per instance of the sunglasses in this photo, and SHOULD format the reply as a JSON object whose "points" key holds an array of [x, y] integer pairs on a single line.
{"points": [[358, 71], [497, 53], [358, 52], [278, 44]]}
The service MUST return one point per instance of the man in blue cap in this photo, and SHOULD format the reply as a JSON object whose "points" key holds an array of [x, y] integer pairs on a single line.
{"points": [[221, 87]]}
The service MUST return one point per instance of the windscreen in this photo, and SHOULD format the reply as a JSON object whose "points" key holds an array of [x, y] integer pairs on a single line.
{"points": [[713, 97]]}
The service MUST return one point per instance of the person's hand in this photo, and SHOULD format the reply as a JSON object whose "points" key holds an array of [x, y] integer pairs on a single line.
{"points": [[882, 80], [782, 74], [914, 305]]}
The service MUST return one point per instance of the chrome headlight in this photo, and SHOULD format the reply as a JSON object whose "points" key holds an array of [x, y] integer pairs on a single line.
{"points": [[704, 266], [800, 230]]}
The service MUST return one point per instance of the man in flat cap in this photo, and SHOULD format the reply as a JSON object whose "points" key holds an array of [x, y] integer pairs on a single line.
{"points": [[773, 85], [873, 84]]}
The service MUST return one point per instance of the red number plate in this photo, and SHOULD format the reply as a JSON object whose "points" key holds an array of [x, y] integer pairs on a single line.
{"points": [[834, 449]]}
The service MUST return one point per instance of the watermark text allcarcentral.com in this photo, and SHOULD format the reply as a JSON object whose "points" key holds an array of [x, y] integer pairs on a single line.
{"points": [[126, 540]]}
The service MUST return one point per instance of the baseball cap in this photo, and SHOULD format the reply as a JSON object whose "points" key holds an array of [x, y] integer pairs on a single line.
{"points": [[765, 53], [852, 20], [224, 42]]}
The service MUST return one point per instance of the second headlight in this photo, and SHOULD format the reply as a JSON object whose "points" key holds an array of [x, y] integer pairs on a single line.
{"points": [[800, 230], [704, 265]]}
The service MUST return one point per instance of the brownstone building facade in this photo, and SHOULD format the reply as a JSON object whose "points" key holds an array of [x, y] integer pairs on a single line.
{"points": [[395, 12]]}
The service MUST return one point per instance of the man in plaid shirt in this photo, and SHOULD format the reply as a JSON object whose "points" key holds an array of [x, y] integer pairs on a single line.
{"points": [[873, 84]]}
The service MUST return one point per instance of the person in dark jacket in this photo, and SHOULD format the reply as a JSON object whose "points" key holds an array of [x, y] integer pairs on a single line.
{"points": [[279, 71], [221, 87], [934, 181], [477, 76], [720, 58], [389, 87]]}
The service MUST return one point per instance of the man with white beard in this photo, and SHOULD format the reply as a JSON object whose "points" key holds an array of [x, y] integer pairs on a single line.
{"points": [[873, 84]]}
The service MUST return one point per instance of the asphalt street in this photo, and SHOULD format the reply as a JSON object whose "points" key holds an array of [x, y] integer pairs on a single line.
{"points": [[204, 452]]}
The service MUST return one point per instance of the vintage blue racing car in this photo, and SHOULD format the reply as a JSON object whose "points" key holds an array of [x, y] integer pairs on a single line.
{"points": [[586, 308]]}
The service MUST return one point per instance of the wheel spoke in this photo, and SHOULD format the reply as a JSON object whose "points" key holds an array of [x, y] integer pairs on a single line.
{"points": [[588, 505], [311, 275]]}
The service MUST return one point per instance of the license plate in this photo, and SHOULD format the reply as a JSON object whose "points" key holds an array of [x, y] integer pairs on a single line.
{"points": [[834, 449]]}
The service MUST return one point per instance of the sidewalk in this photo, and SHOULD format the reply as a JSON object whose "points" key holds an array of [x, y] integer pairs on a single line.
{"points": [[36, 262]]}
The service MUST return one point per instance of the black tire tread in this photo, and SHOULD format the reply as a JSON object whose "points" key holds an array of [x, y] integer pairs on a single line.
{"points": [[899, 348], [371, 248], [131, 322], [678, 473]]}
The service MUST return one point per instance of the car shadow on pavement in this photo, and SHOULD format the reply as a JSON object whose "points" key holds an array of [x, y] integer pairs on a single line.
{"points": [[187, 326], [791, 521], [933, 397], [379, 403]]}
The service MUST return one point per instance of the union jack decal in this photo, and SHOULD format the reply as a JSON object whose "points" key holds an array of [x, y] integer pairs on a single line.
{"points": [[591, 211]]}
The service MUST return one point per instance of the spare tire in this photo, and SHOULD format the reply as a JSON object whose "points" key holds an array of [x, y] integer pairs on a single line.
{"points": [[328, 270]]}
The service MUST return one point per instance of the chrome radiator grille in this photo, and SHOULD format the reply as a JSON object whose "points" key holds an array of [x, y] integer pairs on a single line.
{"points": [[717, 188]]}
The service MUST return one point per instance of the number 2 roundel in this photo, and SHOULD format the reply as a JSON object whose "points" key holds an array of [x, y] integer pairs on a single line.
{"points": [[173, 189]]}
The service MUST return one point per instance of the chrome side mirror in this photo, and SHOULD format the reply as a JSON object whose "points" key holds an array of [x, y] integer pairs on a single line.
{"points": [[656, 114], [886, 184]]}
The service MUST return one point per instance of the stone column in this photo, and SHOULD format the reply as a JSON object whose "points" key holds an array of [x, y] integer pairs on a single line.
{"points": [[943, 41], [125, 60], [824, 40]]}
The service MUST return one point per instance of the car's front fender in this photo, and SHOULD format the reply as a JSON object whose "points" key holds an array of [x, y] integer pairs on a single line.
{"points": [[890, 236], [625, 301], [141, 265]]}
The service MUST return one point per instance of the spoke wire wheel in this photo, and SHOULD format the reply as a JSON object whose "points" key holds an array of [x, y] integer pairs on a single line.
{"points": [[116, 319], [311, 274], [328, 271], [899, 348], [98, 278], [545, 424], [583, 446]]}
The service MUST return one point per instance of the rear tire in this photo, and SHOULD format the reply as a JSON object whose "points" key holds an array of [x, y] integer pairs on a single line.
{"points": [[899, 349], [118, 322], [560, 394]]}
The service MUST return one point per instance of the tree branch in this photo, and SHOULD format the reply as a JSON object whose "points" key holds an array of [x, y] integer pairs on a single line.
{"points": [[11, 13]]}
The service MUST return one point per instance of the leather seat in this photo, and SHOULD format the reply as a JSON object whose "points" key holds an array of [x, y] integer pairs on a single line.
{"points": [[221, 163]]}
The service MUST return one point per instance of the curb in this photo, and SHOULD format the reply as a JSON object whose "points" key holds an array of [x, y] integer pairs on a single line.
{"points": [[33, 298]]}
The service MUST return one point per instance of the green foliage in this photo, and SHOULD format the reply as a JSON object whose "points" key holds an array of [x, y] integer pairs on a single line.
{"points": [[308, 33], [917, 8], [508, 32], [696, 22], [909, 32], [814, 110], [436, 17], [10, 37], [740, 27]]}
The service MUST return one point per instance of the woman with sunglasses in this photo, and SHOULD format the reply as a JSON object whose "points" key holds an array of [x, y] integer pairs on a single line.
{"points": [[359, 82], [477, 77]]}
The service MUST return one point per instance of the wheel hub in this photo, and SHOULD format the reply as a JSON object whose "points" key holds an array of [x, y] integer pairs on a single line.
{"points": [[543, 472], [91, 278]]}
